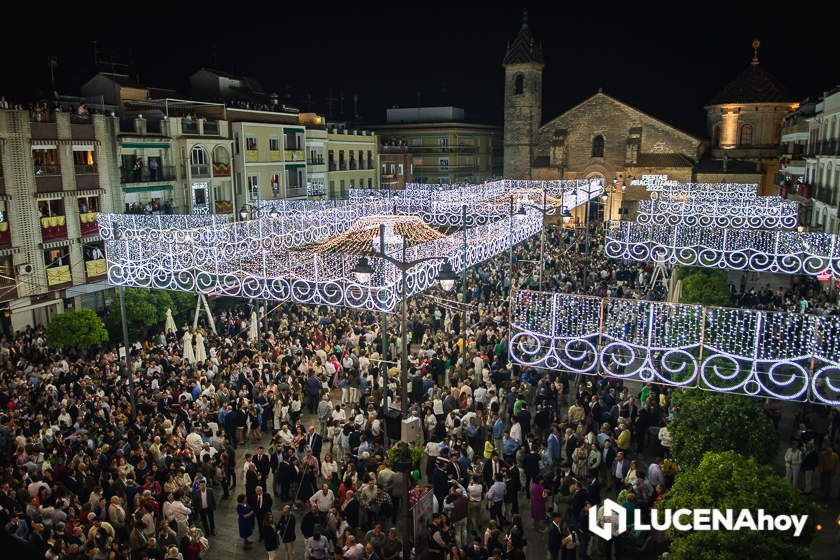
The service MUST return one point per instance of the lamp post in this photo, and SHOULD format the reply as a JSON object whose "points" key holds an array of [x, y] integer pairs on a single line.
{"points": [[127, 365], [249, 212], [464, 297], [363, 272]]}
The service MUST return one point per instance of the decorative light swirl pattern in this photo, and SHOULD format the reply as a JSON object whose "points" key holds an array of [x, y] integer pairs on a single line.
{"points": [[759, 213], [784, 356], [788, 252]]}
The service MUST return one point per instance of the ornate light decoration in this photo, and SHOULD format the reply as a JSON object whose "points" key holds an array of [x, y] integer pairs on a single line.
{"points": [[758, 213], [788, 252], [783, 356]]}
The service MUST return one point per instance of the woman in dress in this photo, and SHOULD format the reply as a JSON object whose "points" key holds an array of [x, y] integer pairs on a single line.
{"points": [[245, 518], [538, 498]]}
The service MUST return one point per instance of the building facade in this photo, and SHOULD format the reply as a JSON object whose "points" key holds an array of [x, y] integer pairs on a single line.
{"points": [[316, 154], [395, 165], [826, 152], [745, 121], [442, 146], [58, 172], [269, 155], [352, 160]]}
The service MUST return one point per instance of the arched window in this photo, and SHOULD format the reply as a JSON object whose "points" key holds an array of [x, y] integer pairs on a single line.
{"points": [[716, 135], [598, 146], [746, 135], [198, 156], [518, 84]]}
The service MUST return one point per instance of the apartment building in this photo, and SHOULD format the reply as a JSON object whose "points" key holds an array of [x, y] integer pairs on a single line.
{"points": [[57, 172], [352, 160]]}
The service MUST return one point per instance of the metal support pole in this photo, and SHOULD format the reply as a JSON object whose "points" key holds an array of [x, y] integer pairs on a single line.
{"points": [[383, 356], [127, 364], [542, 237], [510, 249], [404, 401], [464, 303]]}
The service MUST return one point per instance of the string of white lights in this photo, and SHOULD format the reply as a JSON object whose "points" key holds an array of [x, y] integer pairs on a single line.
{"points": [[787, 252], [783, 356], [757, 213]]}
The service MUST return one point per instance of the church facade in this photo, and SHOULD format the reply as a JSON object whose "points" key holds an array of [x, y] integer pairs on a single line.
{"points": [[602, 137]]}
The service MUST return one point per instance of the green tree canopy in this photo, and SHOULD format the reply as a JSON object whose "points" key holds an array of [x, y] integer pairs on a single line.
{"points": [[730, 481], [80, 329], [705, 286], [717, 422], [146, 311]]}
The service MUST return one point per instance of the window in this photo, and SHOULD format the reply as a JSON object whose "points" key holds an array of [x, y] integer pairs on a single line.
{"points": [[443, 163], [83, 160], [198, 156], [598, 146], [518, 84], [402, 169], [443, 141], [370, 183], [273, 144], [88, 204], [251, 143], [746, 138], [716, 135], [254, 187], [46, 161]]}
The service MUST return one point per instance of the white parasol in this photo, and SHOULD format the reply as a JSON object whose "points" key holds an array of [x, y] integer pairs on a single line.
{"points": [[200, 350], [253, 333], [189, 353], [169, 326]]}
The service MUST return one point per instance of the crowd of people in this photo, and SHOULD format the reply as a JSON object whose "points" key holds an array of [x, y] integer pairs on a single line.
{"points": [[290, 431]]}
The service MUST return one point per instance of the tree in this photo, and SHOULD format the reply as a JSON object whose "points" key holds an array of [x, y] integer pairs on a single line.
{"points": [[728, 480], [705, 286], [144, 309], [718, 422], [78, 329]]}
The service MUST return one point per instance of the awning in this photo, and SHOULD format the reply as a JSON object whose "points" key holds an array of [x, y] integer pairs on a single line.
{"points": [[43, 146], [38, 142], [144, 145], [88, 288], [294, 165], [83, 147], [149, 188], [293, 130]]}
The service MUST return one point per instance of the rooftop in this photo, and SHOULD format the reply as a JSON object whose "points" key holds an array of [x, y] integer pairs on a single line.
{"points": [[753, 85], [524, 49]]}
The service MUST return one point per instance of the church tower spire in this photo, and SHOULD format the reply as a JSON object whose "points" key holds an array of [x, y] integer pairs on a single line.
{"points": [[523, 64]]}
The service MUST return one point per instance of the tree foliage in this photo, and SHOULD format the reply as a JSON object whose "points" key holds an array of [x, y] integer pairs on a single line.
{"points": [[728, 480], [79, 329], [705, 286], [145, 311], [720, 422]]}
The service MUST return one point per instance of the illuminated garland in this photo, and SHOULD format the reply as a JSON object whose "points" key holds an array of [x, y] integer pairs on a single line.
{"points": [[786, 252], [783, 356], [757, 213]]}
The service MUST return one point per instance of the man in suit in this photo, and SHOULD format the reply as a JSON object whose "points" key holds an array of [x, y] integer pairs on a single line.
{"points": [[594, 490], [263, 464], [555, 536], [261, 505], [619, 468], [492, 466], [286, 473], [204, 500], [607, 458], [315, 442], [252, 480]]}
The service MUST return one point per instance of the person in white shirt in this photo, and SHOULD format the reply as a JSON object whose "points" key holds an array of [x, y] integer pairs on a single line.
{"points": [[323, 500], [516, 431]]}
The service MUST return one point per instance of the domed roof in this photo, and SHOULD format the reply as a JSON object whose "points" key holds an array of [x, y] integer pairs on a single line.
{"points": [[753, 85]]}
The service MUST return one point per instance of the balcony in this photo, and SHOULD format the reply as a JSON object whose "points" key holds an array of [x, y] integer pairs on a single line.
{"points": [[317, 161], [824, 195], [445, 168], [295, 192], [145, 175], [85, 169], [95, 268], [393, 149], [88, 224], [59, 275], [221, 169], [189, 127], [8, 288], [353, 165], [342, 166], [294, 155], [252, 156], [370, 164], [5, 234], [200, 170], [46, 170], [804, 190], [53, 227], [211, 128], [333, 166]]}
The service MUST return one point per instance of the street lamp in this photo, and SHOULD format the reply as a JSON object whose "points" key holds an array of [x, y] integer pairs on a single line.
{"points": [[119, 235], [363, 271]]}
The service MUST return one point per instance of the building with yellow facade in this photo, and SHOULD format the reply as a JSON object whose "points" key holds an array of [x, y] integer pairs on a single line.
{"points": [[444, 148], [352, 160]]}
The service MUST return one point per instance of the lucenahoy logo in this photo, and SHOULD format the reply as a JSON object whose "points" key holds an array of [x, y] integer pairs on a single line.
{"points": [[610, 520]]}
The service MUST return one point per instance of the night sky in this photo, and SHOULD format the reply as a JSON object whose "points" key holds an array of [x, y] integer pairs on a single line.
{"points": [[665, 59]]}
